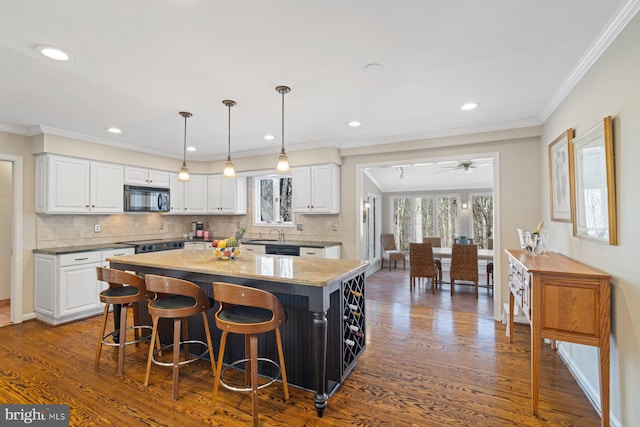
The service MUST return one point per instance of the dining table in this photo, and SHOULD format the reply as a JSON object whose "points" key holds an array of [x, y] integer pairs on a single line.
{"points": [[483, 254]]}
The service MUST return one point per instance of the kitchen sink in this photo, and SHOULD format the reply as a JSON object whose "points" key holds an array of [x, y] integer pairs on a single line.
{"points": [[262, 242]]}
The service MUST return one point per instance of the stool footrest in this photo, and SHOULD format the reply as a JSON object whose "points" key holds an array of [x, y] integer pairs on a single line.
{"points": [[114, 344], [263, 359], [184, 362]]}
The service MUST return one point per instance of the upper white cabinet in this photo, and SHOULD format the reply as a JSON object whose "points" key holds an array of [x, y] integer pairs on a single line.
{"points": [[70, 185], [227, 196], [316, 189], [142, 176], [188, 197]]}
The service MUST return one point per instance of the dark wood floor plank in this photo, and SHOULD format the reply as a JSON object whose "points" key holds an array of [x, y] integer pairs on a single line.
{"points": [[431, 360]]}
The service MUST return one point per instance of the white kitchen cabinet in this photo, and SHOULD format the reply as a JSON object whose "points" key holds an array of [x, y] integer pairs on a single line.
{"points": [[316, 189], [188, 197], [67, 287], [254, 249], [226, 196], [148, 177], [71, 185], [332, 252]]}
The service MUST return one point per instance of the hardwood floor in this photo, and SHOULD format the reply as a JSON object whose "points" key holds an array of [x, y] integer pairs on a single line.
{"points": [[430, 361]]}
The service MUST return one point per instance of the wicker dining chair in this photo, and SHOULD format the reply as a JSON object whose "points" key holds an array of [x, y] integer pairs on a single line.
{"points": [[421, 265], [464, 265], [436, 242], [390, 252]]}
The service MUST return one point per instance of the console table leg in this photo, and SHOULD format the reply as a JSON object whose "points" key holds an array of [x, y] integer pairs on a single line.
{"points": [[535, 368], [319, 346]]}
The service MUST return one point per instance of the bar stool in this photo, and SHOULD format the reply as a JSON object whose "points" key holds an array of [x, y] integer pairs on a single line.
{"points": [[249, 312], [177, 299], [125, 289]]}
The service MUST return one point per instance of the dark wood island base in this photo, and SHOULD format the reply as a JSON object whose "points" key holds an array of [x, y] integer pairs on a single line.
{"points": [[324, 298]]}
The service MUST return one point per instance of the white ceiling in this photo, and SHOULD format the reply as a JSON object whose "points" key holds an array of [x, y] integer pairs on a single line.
{"points": [[138, 63]]}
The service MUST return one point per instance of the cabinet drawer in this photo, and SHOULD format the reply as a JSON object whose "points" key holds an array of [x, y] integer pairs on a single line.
{"points": [[80, 258], [254, 249], [312, 252], [117, 252]]}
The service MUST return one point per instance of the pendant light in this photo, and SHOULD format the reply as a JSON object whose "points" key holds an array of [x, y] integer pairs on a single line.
{"points": [[229, 171], [184, 172], [283, 161]]}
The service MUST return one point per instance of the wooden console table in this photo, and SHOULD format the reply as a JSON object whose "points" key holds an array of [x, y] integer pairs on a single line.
{"points": [[563, 300]]}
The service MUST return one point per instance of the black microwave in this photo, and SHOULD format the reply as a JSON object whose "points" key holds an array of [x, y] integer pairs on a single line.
{"points": [[146, 199]]}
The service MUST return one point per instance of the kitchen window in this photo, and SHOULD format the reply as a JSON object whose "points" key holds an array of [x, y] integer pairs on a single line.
{"points": [[272, 200]]}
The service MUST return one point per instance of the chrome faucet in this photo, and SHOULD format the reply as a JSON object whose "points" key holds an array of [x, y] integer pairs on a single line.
{"points": [[280, 232]]}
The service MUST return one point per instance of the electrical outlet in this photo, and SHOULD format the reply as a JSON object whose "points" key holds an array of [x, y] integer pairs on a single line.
{"points": [[161, 226], [96, 228], [334, 226], [299, 227]]}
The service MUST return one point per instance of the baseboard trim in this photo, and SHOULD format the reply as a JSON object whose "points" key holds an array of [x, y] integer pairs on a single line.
{"points": [[592, 394]]}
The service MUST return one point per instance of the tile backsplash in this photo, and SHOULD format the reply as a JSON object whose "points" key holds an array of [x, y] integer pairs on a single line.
{"points": [[72, 230]]}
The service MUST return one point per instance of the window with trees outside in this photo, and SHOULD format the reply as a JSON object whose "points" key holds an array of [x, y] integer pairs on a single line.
{"points": [[482, 218], [272, 200], [425, 216]]}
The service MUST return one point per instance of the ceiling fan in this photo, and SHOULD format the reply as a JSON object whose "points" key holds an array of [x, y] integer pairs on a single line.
{"points": [[466, 165]]}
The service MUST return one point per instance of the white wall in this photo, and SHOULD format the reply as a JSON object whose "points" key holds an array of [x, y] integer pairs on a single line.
{"points": [[611, 87], [6, 210]]}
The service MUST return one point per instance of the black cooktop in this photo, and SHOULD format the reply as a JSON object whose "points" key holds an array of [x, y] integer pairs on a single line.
{"points": [[156, 245]]}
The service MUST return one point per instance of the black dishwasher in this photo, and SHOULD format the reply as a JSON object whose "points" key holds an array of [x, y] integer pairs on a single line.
{"points": [[282, 250]]}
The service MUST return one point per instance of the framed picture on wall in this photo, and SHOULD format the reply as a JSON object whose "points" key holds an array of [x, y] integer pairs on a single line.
{"points": [[559, 177], [593, 195]]}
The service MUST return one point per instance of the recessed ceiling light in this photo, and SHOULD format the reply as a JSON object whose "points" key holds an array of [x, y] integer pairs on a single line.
{"points": [[113, 129], [469, 106], [54, 53], [354, 123], [191, 148], [269, 137]]}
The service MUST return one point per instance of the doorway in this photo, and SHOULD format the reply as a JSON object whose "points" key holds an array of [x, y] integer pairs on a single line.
{"points": [[6, 210], [11, 238]]}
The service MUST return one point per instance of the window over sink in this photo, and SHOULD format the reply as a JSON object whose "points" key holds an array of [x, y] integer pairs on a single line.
{"points": [[273, 200]]}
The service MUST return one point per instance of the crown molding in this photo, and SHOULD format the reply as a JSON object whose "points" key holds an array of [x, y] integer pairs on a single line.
{"points": [[606, 37], [443, 133]]}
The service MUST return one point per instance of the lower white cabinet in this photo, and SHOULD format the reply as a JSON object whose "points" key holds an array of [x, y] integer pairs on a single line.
{"points": [[67, 287], [332, 252], [254, 249]]}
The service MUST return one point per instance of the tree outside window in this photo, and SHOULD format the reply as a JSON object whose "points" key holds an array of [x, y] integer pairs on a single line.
{"points": [[425, 216], [482, 218], [273, 200]]}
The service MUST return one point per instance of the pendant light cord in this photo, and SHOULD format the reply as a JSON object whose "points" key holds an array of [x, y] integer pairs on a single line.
{"points": [[229, 134], [282, 149], [184, 149]]}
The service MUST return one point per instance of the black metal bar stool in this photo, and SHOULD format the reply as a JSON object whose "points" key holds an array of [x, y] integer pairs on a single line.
{"points": [[125, 289], [177, 299], [249, 312]]}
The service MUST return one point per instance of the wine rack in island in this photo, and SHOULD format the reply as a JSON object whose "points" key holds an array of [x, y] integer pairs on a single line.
{"points": [[353, 322]]}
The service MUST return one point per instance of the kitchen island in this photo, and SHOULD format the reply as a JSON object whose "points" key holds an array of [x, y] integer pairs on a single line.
{"points": [[324, 298]]}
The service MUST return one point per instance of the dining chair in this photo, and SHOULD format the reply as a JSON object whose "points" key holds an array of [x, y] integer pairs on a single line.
{"points": [[436, 242], [464, 265], [390, 252], [490, 267], [421, 265]]}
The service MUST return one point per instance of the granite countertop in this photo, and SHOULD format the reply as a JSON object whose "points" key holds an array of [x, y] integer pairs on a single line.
{"points": [[82, 248], [287, 269], [301, 243], [105, 246]]}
